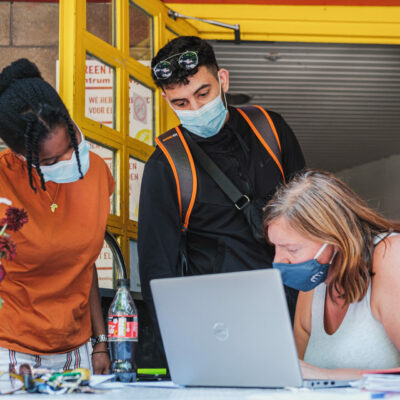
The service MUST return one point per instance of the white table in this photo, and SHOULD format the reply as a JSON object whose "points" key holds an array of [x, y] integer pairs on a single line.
{"points": [[138, 393]]}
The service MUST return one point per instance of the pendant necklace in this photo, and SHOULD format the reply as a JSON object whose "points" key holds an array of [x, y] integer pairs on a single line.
{"points": [[53, 205]]}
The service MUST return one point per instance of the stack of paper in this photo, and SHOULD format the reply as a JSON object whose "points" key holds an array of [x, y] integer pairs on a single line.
{"points": [[381, 382], [105, 382], [387, 380]]}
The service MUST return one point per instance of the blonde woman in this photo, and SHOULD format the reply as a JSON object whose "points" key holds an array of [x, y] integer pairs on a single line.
{"points": [[345, 260]]}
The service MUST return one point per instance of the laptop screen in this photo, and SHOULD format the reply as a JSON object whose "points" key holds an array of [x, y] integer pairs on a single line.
{"points": [[230, 329]]}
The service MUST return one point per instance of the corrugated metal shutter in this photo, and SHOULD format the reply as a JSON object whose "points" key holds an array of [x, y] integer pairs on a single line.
{"points": [[342, 100]]}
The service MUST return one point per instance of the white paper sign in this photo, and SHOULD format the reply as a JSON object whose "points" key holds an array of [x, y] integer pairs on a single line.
{"points": [[140, 112], [104, 266], [136, 169], [99, 81]]}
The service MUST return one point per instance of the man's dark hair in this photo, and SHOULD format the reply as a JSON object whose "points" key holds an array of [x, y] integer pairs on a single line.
{"points": [[30, 109], [179, 45]]}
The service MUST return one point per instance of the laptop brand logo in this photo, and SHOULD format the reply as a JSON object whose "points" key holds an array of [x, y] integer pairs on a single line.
{"points": [[220, 331]]}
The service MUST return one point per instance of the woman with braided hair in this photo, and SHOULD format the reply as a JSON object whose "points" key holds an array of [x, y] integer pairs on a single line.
{"points": [[51, 299]]}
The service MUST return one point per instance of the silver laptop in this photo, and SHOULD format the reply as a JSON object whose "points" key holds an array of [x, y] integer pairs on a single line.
{"points": [[230, 330]]}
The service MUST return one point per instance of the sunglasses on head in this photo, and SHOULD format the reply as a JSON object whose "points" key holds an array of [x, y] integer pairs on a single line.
{"points": [[187, 60]]}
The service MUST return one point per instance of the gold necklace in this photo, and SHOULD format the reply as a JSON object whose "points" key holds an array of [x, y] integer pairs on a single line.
{"points": [[53, 205]]}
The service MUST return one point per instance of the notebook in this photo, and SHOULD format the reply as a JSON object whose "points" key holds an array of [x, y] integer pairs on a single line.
{"points": [[229, 330]]}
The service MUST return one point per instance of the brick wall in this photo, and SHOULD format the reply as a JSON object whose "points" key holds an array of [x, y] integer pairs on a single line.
{"points": [[30, 30]]}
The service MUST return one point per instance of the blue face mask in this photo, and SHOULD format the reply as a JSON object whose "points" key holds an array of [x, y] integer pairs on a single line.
{"points": [[67, 171], [207, 121], [307, 275]]}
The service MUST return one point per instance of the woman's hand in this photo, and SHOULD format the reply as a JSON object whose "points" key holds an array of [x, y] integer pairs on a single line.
{"points": [[309, 371], [100, 359]]}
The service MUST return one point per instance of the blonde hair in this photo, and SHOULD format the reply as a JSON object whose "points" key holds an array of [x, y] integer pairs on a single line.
{"points": [[321, 207]]}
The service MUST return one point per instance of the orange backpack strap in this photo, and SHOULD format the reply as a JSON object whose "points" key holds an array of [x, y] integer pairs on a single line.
{"points": [[175, 148], [263, 127]]}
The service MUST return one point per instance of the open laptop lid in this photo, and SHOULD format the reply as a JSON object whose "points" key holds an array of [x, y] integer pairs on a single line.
{"points": [[230, 329]]}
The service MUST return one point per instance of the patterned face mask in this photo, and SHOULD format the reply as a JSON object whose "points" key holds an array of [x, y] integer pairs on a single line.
{"points": [[307, 275]]}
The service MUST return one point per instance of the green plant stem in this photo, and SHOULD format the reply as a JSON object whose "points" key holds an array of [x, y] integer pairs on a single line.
{"points": [[3, 229]]}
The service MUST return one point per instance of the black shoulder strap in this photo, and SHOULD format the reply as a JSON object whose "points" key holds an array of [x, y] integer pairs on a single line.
{"points": [[175, 148], [240, 200]]}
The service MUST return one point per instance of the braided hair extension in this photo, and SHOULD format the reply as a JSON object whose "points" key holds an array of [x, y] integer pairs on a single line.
{"points": [[35, 148], [28, 147], [72, 134], [30, 109]]}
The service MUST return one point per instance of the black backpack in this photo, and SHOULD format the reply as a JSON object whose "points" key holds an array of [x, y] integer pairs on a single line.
{"points": [[180, 157]]}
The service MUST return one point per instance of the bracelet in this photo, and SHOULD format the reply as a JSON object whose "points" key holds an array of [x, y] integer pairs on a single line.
{"points": [[102, 338], [100, 351]]}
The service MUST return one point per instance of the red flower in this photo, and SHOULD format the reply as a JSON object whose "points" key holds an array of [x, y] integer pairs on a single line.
{"points": [[2, 272], [15, 218], [7, 248]]}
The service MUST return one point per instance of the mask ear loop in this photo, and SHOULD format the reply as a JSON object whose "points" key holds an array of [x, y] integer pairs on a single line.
{"points": [[220, 90], [322, 249], [78, 129], [333, 256]]}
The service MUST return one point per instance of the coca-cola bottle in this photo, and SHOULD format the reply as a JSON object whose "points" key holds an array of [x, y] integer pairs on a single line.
{"points": [[123, 333]]}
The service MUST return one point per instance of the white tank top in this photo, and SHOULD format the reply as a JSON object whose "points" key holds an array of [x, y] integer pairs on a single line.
{"points": [[360, 341]]}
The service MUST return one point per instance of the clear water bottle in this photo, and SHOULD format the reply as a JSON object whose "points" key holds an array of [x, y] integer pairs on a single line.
{"points": [[123, 333]]}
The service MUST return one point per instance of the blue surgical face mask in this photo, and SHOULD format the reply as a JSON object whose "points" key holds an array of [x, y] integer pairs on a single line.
{"points": [[206, 121], [307, 275], [67, 171]]}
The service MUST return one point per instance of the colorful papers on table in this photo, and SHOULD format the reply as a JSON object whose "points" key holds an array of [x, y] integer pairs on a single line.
{"points": [[106, 382]]}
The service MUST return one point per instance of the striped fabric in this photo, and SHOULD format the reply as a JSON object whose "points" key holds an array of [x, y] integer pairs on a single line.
{"points": [[78, 358]]}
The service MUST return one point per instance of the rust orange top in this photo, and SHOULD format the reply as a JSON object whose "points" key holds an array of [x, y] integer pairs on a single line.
{"points": [[47, 285]]}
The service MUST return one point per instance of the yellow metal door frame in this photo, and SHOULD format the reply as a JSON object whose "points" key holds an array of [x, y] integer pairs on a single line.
{"points": [[75, 43], [349, 24], [296, 23]]}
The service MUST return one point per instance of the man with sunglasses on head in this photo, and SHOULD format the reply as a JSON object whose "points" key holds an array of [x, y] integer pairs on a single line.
{"points": [[212, 233]]}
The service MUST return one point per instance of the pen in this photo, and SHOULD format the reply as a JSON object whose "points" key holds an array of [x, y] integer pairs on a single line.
{"points": [[381, 395], [155, 377]]}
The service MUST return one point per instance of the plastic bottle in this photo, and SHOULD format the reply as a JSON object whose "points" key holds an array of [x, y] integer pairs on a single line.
{"points": [[123, 333]]}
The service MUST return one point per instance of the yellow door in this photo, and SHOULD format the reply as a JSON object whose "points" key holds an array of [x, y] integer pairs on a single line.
{"points": [[105, 52]]}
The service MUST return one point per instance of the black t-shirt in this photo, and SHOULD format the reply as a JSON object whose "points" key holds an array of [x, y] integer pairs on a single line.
{"points": [[218, 237]]}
